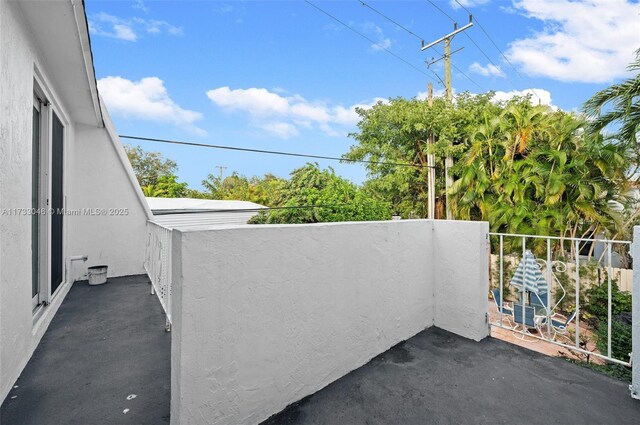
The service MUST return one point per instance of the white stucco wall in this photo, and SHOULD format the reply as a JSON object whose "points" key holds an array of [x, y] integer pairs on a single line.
{"points": [[100, 180], [94, 177], [16, 101], [266, 315], [461, 266]]}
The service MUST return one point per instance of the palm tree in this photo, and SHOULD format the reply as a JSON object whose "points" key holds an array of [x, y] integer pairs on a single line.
{"points": [[522, 123], [540, 172], [624, 101]]}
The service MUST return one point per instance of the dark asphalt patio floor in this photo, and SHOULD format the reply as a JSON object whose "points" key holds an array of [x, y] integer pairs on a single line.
{"points": [[438, 377], [105, 343], [108, 342]]}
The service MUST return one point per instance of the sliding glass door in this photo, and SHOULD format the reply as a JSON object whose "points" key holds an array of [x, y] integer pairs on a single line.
{"points": [[57, 201]]}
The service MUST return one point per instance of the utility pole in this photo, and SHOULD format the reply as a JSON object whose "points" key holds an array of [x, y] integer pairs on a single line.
{"points": [[221, 168], [449, 96], [431, 164]]}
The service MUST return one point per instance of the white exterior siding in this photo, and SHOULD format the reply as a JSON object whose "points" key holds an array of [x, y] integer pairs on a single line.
{"points": [[186, 213], [203, 220], [95, 176]]}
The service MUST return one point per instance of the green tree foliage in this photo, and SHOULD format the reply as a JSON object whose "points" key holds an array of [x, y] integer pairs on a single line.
{"points": [[597, 307], [149, 166], [541, 172], [620, 339], [167, 186], [619, 105], [337, 199], [525, 169], [597, 300], [155, 173], [266, 190], [398, 131]]}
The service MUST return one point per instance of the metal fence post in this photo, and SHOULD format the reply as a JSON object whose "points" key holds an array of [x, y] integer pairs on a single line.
{"points": [[635, 316]]}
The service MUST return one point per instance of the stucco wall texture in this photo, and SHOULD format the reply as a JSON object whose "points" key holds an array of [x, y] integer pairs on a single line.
{"points": [[95, 176], [16, 100], [266, 315]]}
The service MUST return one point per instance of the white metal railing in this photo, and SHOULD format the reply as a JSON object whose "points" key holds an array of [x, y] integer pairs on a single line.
{"points": [[158, 265], [559, 260]]}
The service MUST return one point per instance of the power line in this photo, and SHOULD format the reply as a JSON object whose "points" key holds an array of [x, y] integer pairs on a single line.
{"points": [[300, 155], [481, 51], [457, 69], [401, 27], [400, 58], [490, 39], [489, 59], [467, 77], [437, 76], [391, 20], [442, 11], [497, 48], [511, 83]]}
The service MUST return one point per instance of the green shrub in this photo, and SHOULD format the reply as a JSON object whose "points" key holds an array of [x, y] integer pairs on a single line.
{"points": [[597, 301], [620, 339]]}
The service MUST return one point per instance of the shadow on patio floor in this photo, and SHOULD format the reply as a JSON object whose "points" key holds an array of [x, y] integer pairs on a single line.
{"points": [[438, 377]]}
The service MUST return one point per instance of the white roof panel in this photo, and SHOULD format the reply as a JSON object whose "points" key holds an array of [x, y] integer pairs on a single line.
{"points": [[185, 213], [160, 204]]}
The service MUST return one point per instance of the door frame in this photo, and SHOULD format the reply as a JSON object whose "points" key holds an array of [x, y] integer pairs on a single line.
{"points": [[37, 299], [47, 107]]}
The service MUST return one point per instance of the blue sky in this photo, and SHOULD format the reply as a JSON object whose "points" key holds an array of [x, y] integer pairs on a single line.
{"points": [[280, 75]]}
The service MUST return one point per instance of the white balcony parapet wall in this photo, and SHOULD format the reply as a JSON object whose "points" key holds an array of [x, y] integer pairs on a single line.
{"points": [[461, 273], [263, 316]]}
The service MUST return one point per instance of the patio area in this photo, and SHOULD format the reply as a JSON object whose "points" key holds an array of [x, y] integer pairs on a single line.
{"points": [[541, 346], [106, 344], [438, 377]]}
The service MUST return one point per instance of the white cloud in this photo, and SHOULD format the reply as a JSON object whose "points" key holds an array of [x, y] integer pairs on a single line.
{"points": [[139, 4], [283, 130], [153, 26], [107, 25], [538, 96], [467, 3], [489, 70], [147, 100], [124, 32], [255, 101], [382, 41], [422, 95], [284, 116], [234, 11], [224, 9], [349, 116], [383, 44], [589, 41]]}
